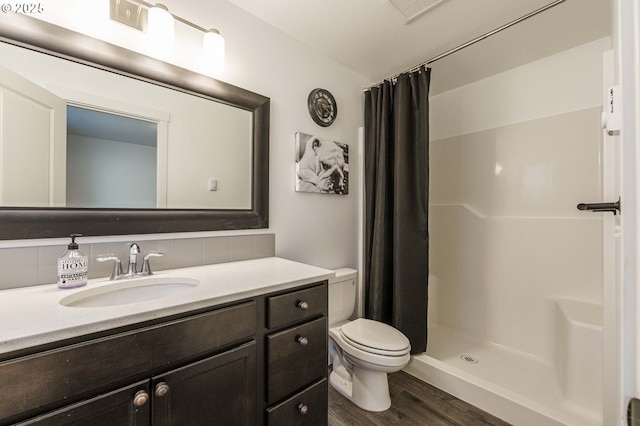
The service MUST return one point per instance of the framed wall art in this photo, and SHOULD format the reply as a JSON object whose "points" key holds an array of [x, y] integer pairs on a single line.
{"points": [[322, 165]]}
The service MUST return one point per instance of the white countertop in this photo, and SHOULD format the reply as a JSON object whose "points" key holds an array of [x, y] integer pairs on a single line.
{"points": [[33, 316]]}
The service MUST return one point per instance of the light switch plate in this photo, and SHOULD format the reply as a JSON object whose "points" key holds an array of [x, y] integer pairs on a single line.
{"points": [[212, 184], [129, 13]]}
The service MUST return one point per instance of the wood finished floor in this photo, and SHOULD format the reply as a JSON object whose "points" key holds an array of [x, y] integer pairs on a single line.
{"points": [[413, 402]]}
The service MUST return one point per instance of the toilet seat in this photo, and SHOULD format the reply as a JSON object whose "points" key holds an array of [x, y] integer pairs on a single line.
{"points": [[366, 357], [375, 337], [363, 353]]}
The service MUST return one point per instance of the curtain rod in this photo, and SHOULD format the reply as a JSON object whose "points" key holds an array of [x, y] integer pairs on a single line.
{"points": [[475, 40]]}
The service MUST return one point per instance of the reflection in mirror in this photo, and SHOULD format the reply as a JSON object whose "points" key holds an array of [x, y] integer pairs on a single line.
{"points": [[207, 132], [203, 140], [111, 160]]}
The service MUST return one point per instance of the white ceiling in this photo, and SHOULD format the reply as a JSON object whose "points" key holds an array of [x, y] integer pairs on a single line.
{"points": [[373, 38]]}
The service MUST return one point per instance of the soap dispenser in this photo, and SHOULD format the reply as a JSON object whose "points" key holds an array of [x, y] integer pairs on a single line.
{"points": [[73, 266]]}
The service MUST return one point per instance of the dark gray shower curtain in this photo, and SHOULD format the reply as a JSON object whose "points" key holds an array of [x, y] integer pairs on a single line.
{"points": [[396, 204]]}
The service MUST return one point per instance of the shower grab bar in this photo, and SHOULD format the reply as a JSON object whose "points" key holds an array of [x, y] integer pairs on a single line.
{"points": [[601, 207]]}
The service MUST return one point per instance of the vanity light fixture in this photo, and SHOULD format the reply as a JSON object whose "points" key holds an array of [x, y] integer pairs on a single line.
{"points": [[213, 50], [159, 24], [161, 31]]}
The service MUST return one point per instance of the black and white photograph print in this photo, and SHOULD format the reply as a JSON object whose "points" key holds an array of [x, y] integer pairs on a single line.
{"points": [[322, 165]]}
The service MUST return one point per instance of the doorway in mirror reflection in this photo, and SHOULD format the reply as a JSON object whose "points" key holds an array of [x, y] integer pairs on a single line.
{"points": [[111, 160]]}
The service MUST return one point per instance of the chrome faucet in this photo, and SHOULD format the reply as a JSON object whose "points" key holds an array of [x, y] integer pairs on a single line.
{"points": [[132, 269], [134, 251]]}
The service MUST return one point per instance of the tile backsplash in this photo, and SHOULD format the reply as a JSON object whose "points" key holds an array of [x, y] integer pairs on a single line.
{"points": [[28, 266]]}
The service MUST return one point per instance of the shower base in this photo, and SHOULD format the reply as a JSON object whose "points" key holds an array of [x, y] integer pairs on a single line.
{"points": [[510, 385]]}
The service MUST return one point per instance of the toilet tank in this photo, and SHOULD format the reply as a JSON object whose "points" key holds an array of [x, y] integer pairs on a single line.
{"points": [[342, 295]]}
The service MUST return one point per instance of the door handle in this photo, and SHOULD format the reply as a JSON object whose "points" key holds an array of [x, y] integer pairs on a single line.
{"points": [[601, 207]]}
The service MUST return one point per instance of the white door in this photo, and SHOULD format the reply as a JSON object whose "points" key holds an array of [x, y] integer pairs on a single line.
{"points": [[33, 144], [612, 252], [626, 38]]}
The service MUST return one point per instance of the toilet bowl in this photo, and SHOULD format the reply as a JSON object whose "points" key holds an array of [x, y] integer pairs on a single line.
{"points": [[362, 351]]}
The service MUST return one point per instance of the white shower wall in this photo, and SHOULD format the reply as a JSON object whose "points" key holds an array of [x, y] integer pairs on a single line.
{"points": [[511, 156]]}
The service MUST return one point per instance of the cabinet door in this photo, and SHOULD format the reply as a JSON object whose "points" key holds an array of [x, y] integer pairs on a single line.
{"points": [[220, 390], [125, 406]]}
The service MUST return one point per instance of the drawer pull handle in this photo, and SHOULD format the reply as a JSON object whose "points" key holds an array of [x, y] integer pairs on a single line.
{"points": [[162, 389], [303, 305], [303, 409], [302, 340], [140, 398]]}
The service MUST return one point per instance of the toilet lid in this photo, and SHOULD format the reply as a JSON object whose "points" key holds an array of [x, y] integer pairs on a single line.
{"points": [[375, 337]]}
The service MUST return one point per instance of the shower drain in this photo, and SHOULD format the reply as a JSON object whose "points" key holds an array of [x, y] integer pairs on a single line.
{"points": [[469, 358]]}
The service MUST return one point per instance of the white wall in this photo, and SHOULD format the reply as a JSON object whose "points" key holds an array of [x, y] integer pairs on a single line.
{"points": [[313, 228], [511, 157], [110, 174], [564, 82]]}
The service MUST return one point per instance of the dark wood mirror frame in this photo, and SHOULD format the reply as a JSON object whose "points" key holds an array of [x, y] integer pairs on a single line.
{"points": [[22, 223]]}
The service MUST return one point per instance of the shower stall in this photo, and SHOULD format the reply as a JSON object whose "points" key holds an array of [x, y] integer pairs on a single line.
{"points": [[516, 271]]}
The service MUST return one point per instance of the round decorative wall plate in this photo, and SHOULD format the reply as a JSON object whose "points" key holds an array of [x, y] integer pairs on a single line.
{"points": [[322, 107]]}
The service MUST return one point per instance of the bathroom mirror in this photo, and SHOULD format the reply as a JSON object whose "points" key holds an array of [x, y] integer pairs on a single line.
{"points": [[17, 222]]}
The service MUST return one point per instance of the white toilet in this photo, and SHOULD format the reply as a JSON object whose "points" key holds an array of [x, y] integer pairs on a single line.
{"points": [[362, 351]]}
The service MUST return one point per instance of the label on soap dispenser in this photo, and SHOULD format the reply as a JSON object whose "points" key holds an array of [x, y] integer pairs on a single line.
{"points": [[73, 271]]}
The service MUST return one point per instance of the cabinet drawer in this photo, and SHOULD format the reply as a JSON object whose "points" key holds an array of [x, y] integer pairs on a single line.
{"points": [[295, 306], [309, 408], [70, 373], [292, 364]]}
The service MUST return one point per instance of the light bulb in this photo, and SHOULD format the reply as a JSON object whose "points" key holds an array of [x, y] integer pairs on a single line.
{"points": [[213, 51], [161, 29]]}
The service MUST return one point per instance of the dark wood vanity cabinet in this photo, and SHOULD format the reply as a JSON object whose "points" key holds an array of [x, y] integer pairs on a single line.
{"points": [[220, 390], [296, 357], [244, 364], [191, 395], [205, 360], [113, 408]]}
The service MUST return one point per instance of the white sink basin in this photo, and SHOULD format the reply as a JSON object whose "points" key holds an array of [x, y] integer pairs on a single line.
{"points": [[129, 291]]}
